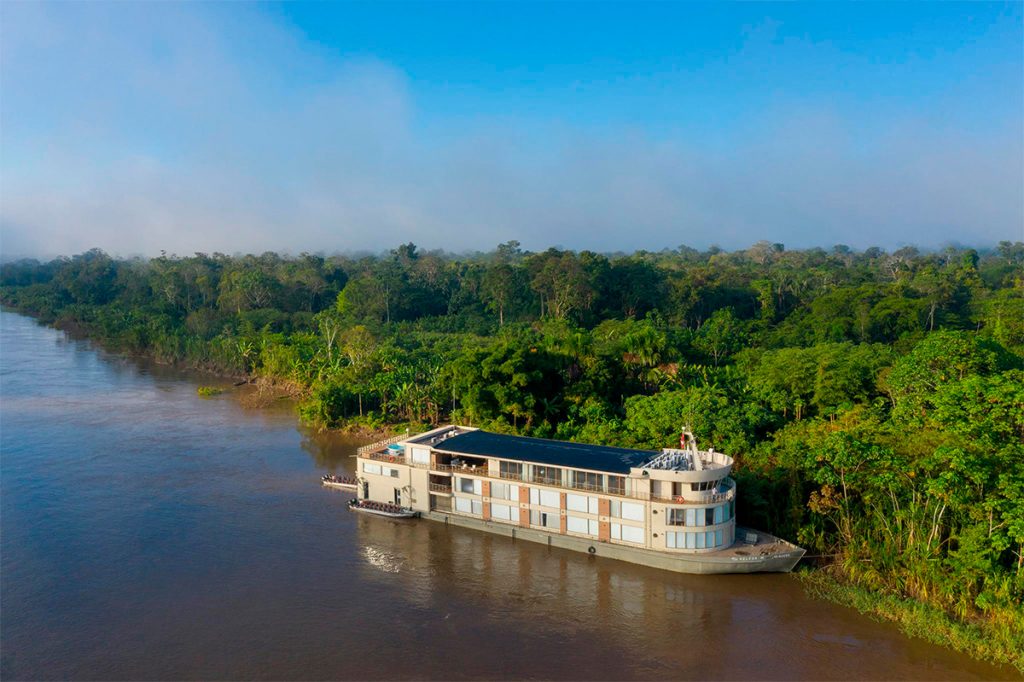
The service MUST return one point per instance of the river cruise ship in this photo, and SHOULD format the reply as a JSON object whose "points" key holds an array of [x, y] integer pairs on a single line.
{"points": [[673, 509]]}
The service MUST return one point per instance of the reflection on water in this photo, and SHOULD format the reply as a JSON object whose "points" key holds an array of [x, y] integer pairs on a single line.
{"points": [[151, 534]]}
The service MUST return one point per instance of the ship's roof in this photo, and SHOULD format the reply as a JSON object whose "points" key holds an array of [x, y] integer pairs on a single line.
{"points": [[551, 452]]}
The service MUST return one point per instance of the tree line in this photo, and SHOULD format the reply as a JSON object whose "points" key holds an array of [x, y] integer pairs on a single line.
{"points": [[874, 400]]}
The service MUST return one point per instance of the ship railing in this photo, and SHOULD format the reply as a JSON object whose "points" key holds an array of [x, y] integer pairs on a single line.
{"points": [[381, 444], [385, 457], [440, 488]]}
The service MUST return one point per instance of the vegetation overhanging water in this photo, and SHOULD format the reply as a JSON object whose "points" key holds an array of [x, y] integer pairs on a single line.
{"points": [[874, 402]]}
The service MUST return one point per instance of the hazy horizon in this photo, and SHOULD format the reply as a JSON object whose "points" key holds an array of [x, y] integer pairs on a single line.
{"points": [[358, 127]]}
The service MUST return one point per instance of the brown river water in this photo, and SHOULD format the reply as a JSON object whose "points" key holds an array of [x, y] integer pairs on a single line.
{"points": [[148, 533]]}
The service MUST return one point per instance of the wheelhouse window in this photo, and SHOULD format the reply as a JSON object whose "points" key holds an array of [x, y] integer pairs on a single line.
{"points": [[705, 485], [547, 475]]}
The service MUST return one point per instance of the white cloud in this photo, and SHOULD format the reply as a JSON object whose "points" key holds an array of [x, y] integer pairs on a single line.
{"points": [[147, 128]]}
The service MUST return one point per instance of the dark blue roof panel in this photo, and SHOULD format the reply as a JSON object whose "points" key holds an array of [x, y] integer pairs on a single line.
{"points": [[552, 452]]}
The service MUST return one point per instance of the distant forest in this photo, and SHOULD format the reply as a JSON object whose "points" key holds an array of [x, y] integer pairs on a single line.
{"points": [[874, 401]]}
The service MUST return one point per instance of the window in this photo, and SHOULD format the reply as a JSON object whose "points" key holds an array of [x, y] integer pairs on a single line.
{"points": [[615, 509], [471, 486], [709, 517], [705, 485], [586, 480], [674, 540], [549, 498], [718, 514], [576, 502], [501, 511], [547, 475], [513, 470], [617, 485], [371, 468], [627, 533], [388, 471], [718, 538], [463, 505], [578, 524], [499, 491], [538, 518], [675, 517], [632, 511], [478, 507], [420, 456]]}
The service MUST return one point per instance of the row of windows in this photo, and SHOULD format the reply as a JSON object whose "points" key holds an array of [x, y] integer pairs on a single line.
{"points": [[583, 480], [371, 468], [708, 516], [706, 540], [705, 485]]}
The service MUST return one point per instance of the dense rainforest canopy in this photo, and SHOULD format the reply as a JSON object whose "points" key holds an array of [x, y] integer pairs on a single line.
{"points": [[874, 401]]}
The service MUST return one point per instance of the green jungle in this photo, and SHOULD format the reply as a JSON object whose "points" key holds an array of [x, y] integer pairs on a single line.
{"points": [[874, 401]]}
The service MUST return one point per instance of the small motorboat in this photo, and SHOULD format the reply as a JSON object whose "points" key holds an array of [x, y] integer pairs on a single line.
{"points": [[392, 511], [341, 482]]}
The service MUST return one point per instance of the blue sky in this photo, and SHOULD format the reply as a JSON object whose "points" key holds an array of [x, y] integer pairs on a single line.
{"points": [[329, 127]]}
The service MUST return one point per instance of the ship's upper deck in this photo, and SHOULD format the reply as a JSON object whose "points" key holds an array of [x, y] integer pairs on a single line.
{"points": [[557, 453]]}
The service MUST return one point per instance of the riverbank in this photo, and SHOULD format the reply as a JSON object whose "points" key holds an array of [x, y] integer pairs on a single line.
{"points": [[991, 640]]}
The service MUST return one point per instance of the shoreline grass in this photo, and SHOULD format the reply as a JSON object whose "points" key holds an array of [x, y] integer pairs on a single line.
{"points": [[997, 640]]}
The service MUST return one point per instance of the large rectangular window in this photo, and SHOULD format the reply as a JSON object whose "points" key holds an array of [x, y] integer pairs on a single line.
{"points": [[371, 468], [675, 517], [617, 485], [549, 498], [586, 480], [463, 505], [513, 470], [547, 475], [632, 511], [539, 518], [471, 486], [576, 502], [499, 491], [389, 471], [501, 511], [578, 524], [627, 533], [615, 509], [420, 456]]}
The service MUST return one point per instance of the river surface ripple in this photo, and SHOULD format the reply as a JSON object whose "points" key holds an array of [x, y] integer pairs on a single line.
{"points": [[148, 533]]}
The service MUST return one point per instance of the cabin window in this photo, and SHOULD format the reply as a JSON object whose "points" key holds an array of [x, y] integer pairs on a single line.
{"points": [[547, 475], [615, 509], [632, 511], [538, 518], [578, 524], [576, 502], [675, 517], [513, 470], [586, 480], [471, 486], [501, 511], [719, 513], [549, 498], [420, 456], [617, 485], [371, 468], [499, 491], [709, 517], [627, 533]]}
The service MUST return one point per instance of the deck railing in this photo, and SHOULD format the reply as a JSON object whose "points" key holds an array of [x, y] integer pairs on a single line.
{"points": [[440, 488], [382, 444]]}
